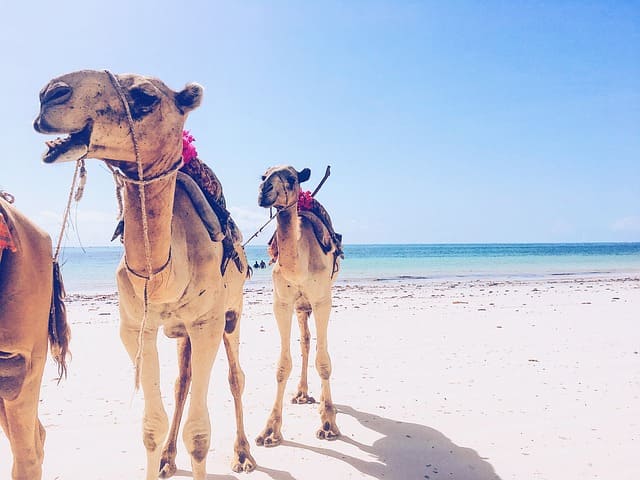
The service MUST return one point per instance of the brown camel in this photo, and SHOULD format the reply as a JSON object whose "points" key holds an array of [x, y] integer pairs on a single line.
{"points": [[303, 275], [170, 274], [30, 314]]}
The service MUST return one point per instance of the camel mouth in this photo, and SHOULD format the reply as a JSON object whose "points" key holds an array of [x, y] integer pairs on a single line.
{"points": [[265, 202], [70, 148]]}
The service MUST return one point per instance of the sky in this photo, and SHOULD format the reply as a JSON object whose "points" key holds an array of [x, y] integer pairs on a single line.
{"points": [[442, 121]]}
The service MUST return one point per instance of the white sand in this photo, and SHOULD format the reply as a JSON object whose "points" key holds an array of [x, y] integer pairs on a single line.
{"points": [[467, 381]]}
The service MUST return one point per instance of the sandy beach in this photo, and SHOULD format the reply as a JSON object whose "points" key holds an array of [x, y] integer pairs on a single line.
{"points": [[469, 380]]}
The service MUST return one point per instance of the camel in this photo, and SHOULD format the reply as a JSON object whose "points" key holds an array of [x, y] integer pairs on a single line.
{"points": [[303, 275], [31, 315], [170, 275]]}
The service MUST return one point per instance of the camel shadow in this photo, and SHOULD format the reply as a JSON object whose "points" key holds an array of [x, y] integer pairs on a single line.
{"points": [[210, 476], [279, 474], [407, 450]]}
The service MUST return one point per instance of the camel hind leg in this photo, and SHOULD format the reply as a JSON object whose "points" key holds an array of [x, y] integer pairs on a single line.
{"points": [[19, 420], [242, 461], [181, 389], [302, 395]]}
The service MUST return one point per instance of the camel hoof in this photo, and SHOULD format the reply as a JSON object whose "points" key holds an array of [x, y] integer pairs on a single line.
{"points": [[302, 399], [269, 440], [167, 469], [328, 432], [244, 463]]}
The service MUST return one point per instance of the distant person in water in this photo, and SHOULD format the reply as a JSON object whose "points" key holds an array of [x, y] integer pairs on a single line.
{"points": [[262, 264], [256, 265]]}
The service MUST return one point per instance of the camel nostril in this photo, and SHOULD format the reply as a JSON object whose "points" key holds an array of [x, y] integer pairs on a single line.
{"points": [[58, 93]]}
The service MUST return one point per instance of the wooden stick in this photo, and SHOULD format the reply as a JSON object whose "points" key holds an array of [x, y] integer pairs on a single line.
{"points": [[324, 179]]}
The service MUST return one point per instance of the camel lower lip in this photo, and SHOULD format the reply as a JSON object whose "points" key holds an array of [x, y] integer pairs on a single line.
{"points": [[72, 147]]}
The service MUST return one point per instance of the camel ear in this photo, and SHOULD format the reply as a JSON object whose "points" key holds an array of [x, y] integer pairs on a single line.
{"points": [[189, 98], [144, 97], [304, 175]]}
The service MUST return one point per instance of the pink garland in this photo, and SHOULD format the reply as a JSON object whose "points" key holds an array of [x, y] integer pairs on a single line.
{"points": [[189, 151], [305, 201]]}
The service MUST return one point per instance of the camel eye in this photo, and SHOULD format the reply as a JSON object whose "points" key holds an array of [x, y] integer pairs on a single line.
{"points": [[144, 101], [59, 93]]}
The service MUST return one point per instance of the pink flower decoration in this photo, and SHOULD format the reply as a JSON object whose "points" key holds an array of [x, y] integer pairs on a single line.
{"points": [[305, 201], [189, 151]]}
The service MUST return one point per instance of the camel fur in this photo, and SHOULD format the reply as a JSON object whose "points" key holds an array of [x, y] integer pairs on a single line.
{"points": [[30, 318], [303, 276], [135, 122]]}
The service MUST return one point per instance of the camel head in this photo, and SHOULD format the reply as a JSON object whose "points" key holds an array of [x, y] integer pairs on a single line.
{"points": [[280, 186], [88, 106]]}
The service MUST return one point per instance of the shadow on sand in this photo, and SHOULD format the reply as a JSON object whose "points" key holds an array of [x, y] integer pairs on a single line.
{"points": [[406, 451], [276, 474]]}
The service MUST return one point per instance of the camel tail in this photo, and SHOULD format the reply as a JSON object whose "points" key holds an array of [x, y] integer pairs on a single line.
{"points": [[59, 333]]}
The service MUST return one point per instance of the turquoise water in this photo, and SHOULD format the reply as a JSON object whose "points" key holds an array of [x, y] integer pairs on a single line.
{"points": [[91, 270]]}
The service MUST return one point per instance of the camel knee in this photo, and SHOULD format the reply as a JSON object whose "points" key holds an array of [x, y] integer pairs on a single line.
{"points": [[27, 468], [323, 366], [154, 431], [13, 371], [284, 368], [236, 381], [197, 438]]}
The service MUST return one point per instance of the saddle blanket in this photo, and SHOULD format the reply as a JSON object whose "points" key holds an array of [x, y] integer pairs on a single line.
{"points": [[6, 240]]}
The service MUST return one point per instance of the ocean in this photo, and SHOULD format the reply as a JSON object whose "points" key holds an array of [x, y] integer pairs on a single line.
{"points": [[91, 270]]}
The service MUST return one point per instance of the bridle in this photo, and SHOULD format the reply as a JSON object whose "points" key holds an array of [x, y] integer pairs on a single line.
{"points": [[121, 179]]}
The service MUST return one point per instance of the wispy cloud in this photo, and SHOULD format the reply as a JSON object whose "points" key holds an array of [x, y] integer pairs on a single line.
{"points": [[627, 224]]}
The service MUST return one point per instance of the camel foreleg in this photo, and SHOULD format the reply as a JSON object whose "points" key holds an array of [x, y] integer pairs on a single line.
{"points": [[181, 389], [155, 422], [271, 436], [205, 336], [242, 460], [328, 429]]}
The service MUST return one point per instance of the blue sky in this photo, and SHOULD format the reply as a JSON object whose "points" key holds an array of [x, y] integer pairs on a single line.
{"points": [[442, 121]]}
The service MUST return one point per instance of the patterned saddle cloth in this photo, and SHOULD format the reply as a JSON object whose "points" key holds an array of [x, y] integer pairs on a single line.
{"points": [[6, 239]]}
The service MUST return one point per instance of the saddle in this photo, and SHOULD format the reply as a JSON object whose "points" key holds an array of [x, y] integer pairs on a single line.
{"points": [[204, 189], [328, 239]]}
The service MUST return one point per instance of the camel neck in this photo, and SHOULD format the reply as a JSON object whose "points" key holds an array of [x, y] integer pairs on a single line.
{"points": [[288, 232], [159, 198]]}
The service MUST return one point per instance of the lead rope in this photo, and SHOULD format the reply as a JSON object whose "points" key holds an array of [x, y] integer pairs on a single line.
{"points": [[78, 195], [145, 228]]}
